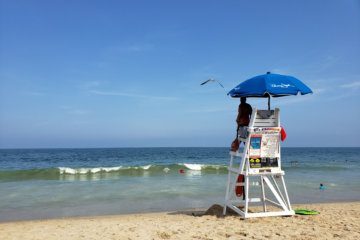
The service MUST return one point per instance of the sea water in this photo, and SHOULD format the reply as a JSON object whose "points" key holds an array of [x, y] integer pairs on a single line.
{"points": [[47, 183]]}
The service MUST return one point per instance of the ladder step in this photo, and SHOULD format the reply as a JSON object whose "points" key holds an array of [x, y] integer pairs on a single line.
{"points": [[254, 199]]}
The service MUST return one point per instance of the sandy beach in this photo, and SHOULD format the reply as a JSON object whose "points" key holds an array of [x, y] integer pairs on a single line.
{"points": [[335, 221]]}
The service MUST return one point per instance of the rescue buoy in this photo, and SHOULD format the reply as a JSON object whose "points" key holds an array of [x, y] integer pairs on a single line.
{"points": [[282, 134], [239, 190]]}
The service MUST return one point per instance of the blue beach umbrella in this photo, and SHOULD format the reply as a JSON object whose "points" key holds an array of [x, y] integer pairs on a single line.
{"points": [[270, 85]]}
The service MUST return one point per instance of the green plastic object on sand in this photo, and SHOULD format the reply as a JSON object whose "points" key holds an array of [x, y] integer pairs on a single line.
{"points": [[306, 212]]}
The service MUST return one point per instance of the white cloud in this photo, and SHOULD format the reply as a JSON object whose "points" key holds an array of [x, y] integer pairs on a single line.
{"points": [[319, 90], [353, 85], [132, 95]]}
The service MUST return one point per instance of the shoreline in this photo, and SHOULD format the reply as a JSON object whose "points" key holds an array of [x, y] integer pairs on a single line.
{"points": [[336, 220], [181, 210]]}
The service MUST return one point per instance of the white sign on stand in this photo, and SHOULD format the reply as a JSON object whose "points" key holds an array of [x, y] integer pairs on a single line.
{"points": [[264, 149]]}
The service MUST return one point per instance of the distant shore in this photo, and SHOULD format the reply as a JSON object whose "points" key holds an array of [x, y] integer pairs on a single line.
{"points": [[336, 220]]}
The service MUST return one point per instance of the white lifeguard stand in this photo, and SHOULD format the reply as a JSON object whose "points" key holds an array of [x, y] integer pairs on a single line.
{"points": [[260, 164]]}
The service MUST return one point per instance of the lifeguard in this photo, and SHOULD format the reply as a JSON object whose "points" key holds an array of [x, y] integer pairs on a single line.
{"points": [[242, 120]]}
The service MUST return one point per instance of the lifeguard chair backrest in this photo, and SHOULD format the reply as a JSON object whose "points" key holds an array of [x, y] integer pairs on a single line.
{"points": [[267, 118]]}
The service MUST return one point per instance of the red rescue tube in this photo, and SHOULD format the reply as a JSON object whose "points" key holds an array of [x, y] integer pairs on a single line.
{"points": [[239, 190], [283, 134]]}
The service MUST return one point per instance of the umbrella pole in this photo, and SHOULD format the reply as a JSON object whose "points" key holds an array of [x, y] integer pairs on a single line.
{"points": [[269, 103]]}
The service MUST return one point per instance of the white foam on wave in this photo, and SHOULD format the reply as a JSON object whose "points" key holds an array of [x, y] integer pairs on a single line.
{"points": [[189, 166], [111, 169], [67, 170], [146, 167], [194, 166], [94, 170], [217, 167], [83, 170]]}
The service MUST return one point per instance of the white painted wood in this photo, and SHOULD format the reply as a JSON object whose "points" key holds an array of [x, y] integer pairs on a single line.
{"points": [[273, 172], [255, 200], [276, 194], [269, 214], [278, 189], [272, 202], [246, 194], [286, 194]]}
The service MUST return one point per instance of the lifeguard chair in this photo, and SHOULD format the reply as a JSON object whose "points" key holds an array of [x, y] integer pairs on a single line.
{"points": [[255, 174]]}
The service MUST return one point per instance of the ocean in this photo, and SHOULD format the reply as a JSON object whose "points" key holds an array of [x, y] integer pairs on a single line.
{"points": [[54, 183]]}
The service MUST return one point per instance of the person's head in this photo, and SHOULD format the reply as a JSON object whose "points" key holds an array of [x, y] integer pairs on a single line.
{"points": [[243, 99]]}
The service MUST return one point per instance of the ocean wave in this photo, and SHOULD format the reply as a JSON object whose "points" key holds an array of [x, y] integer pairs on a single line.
{"points": [[105, 172], [194, 166], [68, 170], [61, 173], [147, 168], [201, 167]]}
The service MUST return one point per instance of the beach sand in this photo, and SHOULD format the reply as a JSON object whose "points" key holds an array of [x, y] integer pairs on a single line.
{"points": [[336, 221]]}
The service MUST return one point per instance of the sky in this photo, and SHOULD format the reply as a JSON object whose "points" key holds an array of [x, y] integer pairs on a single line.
{"points": [[89, 73]]}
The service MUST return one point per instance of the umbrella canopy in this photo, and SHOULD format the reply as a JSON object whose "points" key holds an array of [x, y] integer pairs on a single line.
{"points": [[270, 84], [275, 85]]}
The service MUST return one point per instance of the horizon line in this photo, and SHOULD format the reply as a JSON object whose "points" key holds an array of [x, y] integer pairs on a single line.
{"points": [[53, 148]]}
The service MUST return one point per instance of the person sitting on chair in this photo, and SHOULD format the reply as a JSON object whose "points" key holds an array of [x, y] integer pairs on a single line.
{"points": [[243, 118]]}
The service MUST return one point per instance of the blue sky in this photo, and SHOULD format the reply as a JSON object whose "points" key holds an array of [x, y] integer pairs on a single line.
{"points": [[128, 73]]}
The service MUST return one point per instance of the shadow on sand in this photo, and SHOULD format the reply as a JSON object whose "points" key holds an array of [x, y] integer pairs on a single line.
{"points": [[214, 210]]}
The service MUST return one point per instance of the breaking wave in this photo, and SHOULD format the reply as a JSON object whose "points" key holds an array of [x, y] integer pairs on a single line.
{"points": [[112, 172], [108, 172]]}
